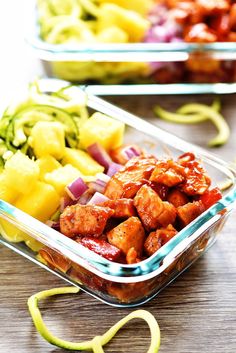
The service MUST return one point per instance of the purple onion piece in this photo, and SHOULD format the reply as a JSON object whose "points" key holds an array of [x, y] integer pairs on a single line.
{"points": [[97, 199], [87, 195], [131, 152], [100, 155], [54, 224], [66, 201], [76, 188], [113, 169], [97, 186]]}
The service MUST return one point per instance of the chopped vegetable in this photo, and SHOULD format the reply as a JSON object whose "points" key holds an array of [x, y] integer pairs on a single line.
{"points": [[21, 172], [97, 198], [196, 113], [100, 183], [113, 168], [97, 342], [102, 129], [82, 161], [48, 138], [76, 188], [101, 247], [100, 155]]}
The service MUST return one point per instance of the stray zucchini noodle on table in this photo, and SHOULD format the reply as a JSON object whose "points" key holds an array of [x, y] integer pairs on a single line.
{"points": [[75, 174], [196, 113], [97, 343]]}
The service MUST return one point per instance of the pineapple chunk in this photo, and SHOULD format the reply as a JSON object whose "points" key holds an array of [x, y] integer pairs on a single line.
{"points": [[41, 202], [15, 235], [82, 161], [140, 6], [61, 177], [48, 138], [112, 34], [21, 173], [7, 193], [130, 21], [101, 128], [46, 165]]}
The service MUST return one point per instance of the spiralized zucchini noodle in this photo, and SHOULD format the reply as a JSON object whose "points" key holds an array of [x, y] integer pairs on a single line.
{"points": [[194, 113], [97, 343]]}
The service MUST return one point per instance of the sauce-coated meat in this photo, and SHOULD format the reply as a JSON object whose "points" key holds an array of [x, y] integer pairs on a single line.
{"points": [[126, 182], [128, 234], [84, 220], [157, 239], [123, 208], [168, 173], [177, 198], [152, 210], [196, 180], [187, 213]]}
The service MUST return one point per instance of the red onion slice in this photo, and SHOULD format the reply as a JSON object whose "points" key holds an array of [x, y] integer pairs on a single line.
{"points": [[100, 183], [76, 188], [66, 201], [113, 169], [130, 152], [54, 224], [97, 198], [100, 155], [87, 195]]}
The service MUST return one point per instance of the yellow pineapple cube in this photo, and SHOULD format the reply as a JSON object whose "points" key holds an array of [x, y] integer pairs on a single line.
{"points": [[48, 138], [101, 128], [112, 34], [61, 177], [41, 202], [140, 6], [6, 192], [130, 21], [82, 161], [46, 165], [21, 173]]}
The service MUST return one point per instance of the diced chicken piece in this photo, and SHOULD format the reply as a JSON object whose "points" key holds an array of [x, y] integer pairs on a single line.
{"points": [[101, 247], [168, 214], [177, 198], [123, 208], [213, 7], [124, 153], [168, 173], [200, 33], [157, 239], [126, 182], [152, 210], [210, 197], [196, 180], [160, 189], [85, 220], [187, 213], [128, 234], [55, 260], [132, 256]]}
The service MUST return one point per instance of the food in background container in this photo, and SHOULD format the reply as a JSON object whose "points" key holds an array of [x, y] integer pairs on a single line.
{"points": [[102, 22]]}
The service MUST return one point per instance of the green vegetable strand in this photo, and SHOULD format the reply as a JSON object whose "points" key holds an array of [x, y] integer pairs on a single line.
{"points": [[97, 343], [195, 113]]}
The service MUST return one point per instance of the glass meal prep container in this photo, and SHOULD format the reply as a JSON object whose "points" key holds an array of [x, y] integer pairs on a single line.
{"points": [[120, 284], [137, 68]]}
